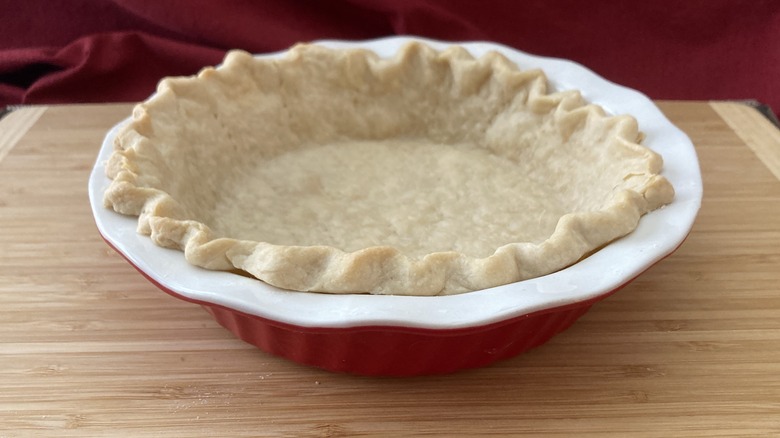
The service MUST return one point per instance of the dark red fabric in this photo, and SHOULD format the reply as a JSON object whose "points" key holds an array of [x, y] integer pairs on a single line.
{"points": [[55, 51]]}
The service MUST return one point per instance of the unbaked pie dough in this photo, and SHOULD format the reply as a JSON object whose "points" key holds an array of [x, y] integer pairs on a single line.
{"points": [[427, 173]]}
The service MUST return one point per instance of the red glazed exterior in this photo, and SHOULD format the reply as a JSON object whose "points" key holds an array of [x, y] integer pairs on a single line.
{"points": [[394, 351], [399, 351]]}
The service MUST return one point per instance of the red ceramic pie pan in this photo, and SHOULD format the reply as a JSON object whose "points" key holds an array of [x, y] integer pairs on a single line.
{"points": [[407, 335]]}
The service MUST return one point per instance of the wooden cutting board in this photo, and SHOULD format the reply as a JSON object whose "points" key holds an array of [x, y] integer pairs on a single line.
{"points": [[90, 348]]}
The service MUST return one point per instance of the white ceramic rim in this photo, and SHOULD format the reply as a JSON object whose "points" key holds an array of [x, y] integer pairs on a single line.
{"points": [[658, 234]]}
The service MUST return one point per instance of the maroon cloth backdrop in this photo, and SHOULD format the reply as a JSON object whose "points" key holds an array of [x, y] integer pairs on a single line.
{"points": [[54, 51]]}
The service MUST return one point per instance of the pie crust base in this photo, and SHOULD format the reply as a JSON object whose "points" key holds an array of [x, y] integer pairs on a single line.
{"points": [[336, 171]]}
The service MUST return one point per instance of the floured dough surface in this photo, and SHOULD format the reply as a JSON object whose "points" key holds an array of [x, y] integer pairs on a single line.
{"points": [[416, 196], [430, 172]]}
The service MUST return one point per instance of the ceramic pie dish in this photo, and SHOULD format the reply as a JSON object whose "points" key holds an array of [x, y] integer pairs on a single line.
{"points": [[405, 335]]}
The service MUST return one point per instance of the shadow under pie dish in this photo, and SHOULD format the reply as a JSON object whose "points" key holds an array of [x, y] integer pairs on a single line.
{"points": [[396, 167]]}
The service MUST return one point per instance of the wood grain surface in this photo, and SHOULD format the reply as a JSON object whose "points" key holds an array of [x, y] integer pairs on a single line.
{"points": [[89, 348]]}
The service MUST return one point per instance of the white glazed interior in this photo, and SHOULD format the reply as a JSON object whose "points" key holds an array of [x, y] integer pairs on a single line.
{"points": [[658, 234]]}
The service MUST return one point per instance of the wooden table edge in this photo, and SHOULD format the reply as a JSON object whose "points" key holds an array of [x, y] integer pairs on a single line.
{"points": [[758, 133], [16, 124]]}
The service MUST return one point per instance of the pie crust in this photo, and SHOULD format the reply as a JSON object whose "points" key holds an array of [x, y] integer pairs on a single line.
{"points": [[335, 170]]}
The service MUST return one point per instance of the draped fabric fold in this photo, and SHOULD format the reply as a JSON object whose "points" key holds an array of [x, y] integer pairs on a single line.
{"points": [[71, 51]]}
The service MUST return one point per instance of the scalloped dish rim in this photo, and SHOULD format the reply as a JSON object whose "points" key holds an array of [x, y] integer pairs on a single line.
{"points": [[659, 232]]}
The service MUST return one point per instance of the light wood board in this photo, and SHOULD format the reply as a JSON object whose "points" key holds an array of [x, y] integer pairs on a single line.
{"points": [[90, 348]]}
